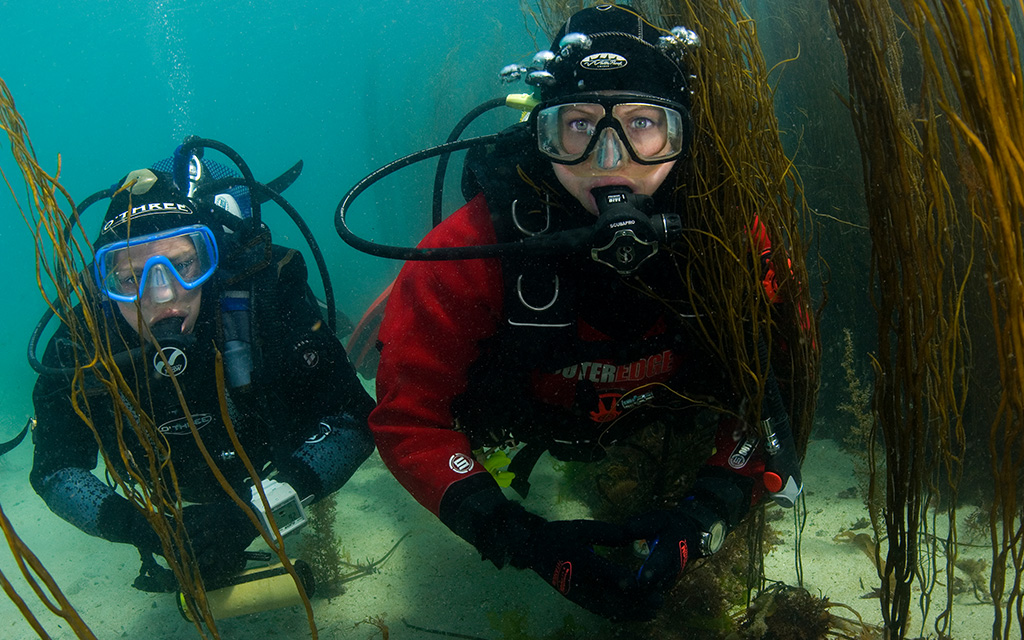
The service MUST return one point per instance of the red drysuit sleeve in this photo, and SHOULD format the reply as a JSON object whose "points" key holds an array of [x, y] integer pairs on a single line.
{"points": [[436, 316]]}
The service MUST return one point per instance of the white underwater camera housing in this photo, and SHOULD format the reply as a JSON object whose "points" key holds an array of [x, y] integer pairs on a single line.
{"points": [[287, 509]]}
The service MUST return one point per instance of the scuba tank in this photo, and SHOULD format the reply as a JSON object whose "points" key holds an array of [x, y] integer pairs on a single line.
{"points": [[236, 311]]}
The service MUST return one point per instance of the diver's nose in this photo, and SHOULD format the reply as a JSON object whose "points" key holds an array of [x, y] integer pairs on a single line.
{"points": [[159, 284], [608, 152]]}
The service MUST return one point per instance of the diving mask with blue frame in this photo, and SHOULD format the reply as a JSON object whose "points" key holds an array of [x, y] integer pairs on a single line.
{"points": [[125, 269]]}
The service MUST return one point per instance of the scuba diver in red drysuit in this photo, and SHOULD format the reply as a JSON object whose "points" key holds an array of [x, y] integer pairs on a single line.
{"points": [[568, 353]]}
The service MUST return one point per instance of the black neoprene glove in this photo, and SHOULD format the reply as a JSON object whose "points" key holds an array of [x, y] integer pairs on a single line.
{"points": [[673, 539], [219, 534], [561, 552]]}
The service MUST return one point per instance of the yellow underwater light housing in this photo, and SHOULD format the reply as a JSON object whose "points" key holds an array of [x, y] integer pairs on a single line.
{"points": [[256, 590]]}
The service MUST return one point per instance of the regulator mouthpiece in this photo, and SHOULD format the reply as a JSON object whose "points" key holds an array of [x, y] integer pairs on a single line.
{"points": [[166, 328], [167, 333], [624, 237]]}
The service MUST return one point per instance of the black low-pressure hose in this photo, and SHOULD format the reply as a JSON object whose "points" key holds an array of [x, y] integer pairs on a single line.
{"points": [[783, 460], [442, 162], [85, 204], [314, 248], [773, 404], [549, 244], [122, 359], [388, 251], [33, 344]]}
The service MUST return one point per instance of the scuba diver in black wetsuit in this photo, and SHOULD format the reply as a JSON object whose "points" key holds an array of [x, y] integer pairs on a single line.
{"points": [[198, 274], [527, 316]]}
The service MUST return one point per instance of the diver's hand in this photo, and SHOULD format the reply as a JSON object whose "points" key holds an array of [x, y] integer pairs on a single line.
{"points": [[154, 578], [562, 553], [673, 539], [219, 534]]}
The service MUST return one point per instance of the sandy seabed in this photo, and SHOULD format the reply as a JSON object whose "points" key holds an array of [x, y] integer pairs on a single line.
{"points": [[433, 580]]}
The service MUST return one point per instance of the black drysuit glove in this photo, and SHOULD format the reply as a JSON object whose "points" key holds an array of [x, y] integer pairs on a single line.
{"points": [[562, 553], [673, 539], [219, 534], [696, 527]]}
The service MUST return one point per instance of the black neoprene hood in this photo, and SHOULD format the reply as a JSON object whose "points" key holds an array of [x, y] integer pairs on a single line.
{"points": [[624, 53]]}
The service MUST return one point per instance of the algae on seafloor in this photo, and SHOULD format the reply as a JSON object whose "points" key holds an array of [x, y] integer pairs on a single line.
{"points": [[321, 548]]}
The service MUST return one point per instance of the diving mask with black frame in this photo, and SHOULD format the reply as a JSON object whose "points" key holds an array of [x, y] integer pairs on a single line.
{"points": [[568, 130], [125, 269]]}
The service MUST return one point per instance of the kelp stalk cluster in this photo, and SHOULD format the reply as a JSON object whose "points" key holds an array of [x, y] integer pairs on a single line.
{"points": [[738, 182], [972, 68], [44, 195], [919, 343], [929, 218]]}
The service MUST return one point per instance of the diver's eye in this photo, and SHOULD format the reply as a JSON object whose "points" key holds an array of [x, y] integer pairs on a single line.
{"points": [[185, 267], [123, 282], [642, 123], [581, 125]]}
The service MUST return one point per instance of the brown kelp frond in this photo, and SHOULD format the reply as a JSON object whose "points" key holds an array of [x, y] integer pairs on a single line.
{"points": [[43, 215], [944, 182]]}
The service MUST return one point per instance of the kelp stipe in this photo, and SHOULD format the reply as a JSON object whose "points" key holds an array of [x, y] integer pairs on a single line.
{"points": [[945, 200]]}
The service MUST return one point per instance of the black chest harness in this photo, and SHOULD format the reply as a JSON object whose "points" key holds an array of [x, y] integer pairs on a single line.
{"points": [[545, 296]]}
